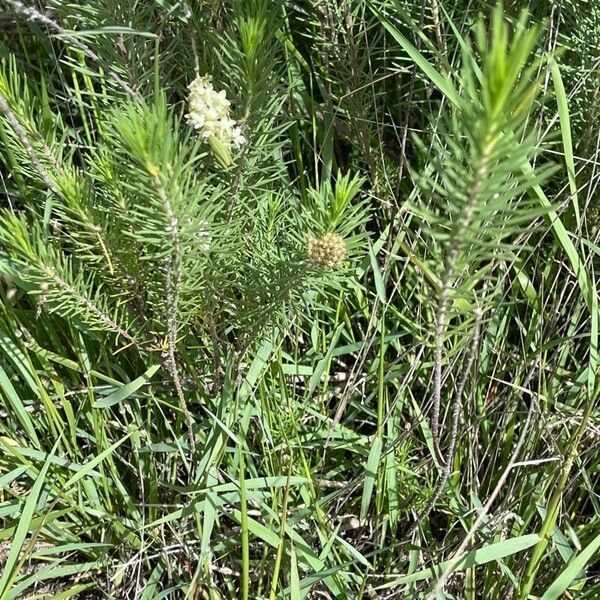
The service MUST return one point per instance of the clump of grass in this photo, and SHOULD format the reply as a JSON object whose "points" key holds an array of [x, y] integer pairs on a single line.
{"points": [[330, 330]]}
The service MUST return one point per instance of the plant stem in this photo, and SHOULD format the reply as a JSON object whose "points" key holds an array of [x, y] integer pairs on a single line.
{"points": [[553, 507], [446, 460], [245, 537]]}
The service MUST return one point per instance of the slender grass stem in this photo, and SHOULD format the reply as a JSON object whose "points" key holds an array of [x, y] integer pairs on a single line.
{"points": [[553, 508]]}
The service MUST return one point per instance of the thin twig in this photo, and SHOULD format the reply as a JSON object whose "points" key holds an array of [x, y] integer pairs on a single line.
{"points": [[173, 277], [458, 554], [456, 408], [189, 15], [437, 24]]}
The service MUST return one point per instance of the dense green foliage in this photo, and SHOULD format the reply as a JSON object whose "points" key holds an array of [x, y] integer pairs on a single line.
{"points": [[353, 354]]}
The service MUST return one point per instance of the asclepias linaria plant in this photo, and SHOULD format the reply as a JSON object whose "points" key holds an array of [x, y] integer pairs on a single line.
{"points": [[147, 241], [478, 183]]}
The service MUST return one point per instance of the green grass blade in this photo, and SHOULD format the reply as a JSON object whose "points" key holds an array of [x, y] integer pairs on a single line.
{"points": [[8, 573], [17, 406], [440, 81], [572, 570], [85, 469], [481, 556], [128, 389], [295, 593], [371, 475], [565, 130], [245, 528]]}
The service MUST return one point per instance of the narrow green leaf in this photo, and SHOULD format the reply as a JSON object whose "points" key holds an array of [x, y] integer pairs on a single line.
{"points": [[572, 570], [440, 81], [244, 526], [17, 406], [480, 556], [85, 469], [9, 477], [371, 475], [295, 593], [586, 284], [379, 283], [153, 582], [8, 573], [565, 130], [50, 572], [320, 368], [128, 389]]}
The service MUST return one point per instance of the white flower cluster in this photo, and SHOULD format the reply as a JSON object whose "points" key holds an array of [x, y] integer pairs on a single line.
{"points": [[209, 113]]}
